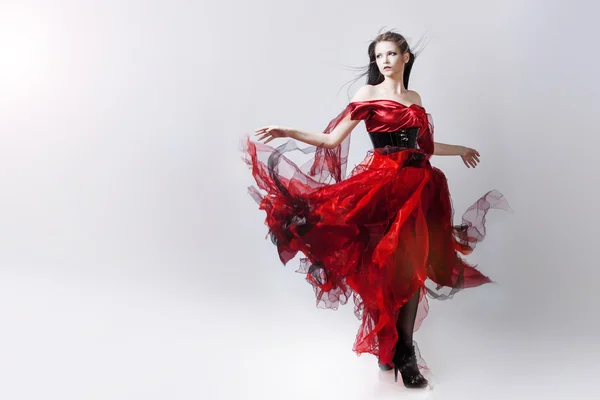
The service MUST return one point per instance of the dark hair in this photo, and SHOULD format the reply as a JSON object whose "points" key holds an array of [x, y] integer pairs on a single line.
{"points": [[372, 72]]}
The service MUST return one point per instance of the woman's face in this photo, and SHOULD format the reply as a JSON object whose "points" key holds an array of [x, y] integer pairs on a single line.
{"points": [[389, 59]]}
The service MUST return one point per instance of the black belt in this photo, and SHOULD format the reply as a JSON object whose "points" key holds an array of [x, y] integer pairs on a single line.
{"points": [[405, 138]]}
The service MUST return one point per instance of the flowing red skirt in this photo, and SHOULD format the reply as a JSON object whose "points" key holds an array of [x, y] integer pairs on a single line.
{"points": [[376, 236]]}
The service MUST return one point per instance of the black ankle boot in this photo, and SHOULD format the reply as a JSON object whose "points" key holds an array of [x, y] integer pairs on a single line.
{"points": [[405, 361]]}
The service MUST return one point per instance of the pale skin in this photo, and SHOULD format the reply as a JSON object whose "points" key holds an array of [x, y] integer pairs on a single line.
{"points": [[390, 62]]}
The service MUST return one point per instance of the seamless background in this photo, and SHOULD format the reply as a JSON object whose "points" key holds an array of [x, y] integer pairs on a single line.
{"points": [[133, 265]]}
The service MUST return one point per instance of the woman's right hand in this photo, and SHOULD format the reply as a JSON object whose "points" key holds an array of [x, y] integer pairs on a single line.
{"points": [[271, 132]]}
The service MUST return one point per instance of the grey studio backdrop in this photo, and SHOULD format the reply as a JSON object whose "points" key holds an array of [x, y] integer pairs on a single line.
{"points": [[133, 264]]}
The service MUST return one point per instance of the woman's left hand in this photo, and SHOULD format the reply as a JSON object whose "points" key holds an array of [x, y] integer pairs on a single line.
{"points": [[470, 157]]}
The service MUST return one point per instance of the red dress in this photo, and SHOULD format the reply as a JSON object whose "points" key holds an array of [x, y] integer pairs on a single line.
{"points": [[379, 234]]}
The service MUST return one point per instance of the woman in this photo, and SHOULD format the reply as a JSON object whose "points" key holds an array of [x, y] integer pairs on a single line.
{"points": [[379, 234]]}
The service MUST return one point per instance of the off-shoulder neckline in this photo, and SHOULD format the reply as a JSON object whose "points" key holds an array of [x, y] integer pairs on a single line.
{"points": [[390, 101]]}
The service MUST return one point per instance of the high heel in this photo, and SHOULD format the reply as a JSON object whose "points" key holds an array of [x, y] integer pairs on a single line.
{"points": [[406, 362]]}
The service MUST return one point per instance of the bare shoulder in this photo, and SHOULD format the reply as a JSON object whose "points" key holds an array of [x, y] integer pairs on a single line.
{"points": [[364, 93], [414, 97]]}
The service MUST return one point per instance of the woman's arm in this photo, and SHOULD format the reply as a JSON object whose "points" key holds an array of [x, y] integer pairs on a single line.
{"points": [[329, 141], [442, 149], [439, 149], [469, 156]]}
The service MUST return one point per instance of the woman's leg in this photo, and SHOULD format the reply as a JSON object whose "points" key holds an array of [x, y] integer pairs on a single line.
{"points": [[405, 359], [405, 325], [406, 320]]}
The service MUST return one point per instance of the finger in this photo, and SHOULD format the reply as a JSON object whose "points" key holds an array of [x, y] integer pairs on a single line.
{"points": [[264, 129], [271, 138], [465, 162]]}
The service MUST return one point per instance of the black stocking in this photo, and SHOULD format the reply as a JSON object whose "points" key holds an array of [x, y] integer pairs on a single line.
{"points": [[406, 321]]}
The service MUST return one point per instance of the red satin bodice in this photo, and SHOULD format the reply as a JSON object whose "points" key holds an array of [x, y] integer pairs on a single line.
{"points": [[379, 116], [387, 115]]}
